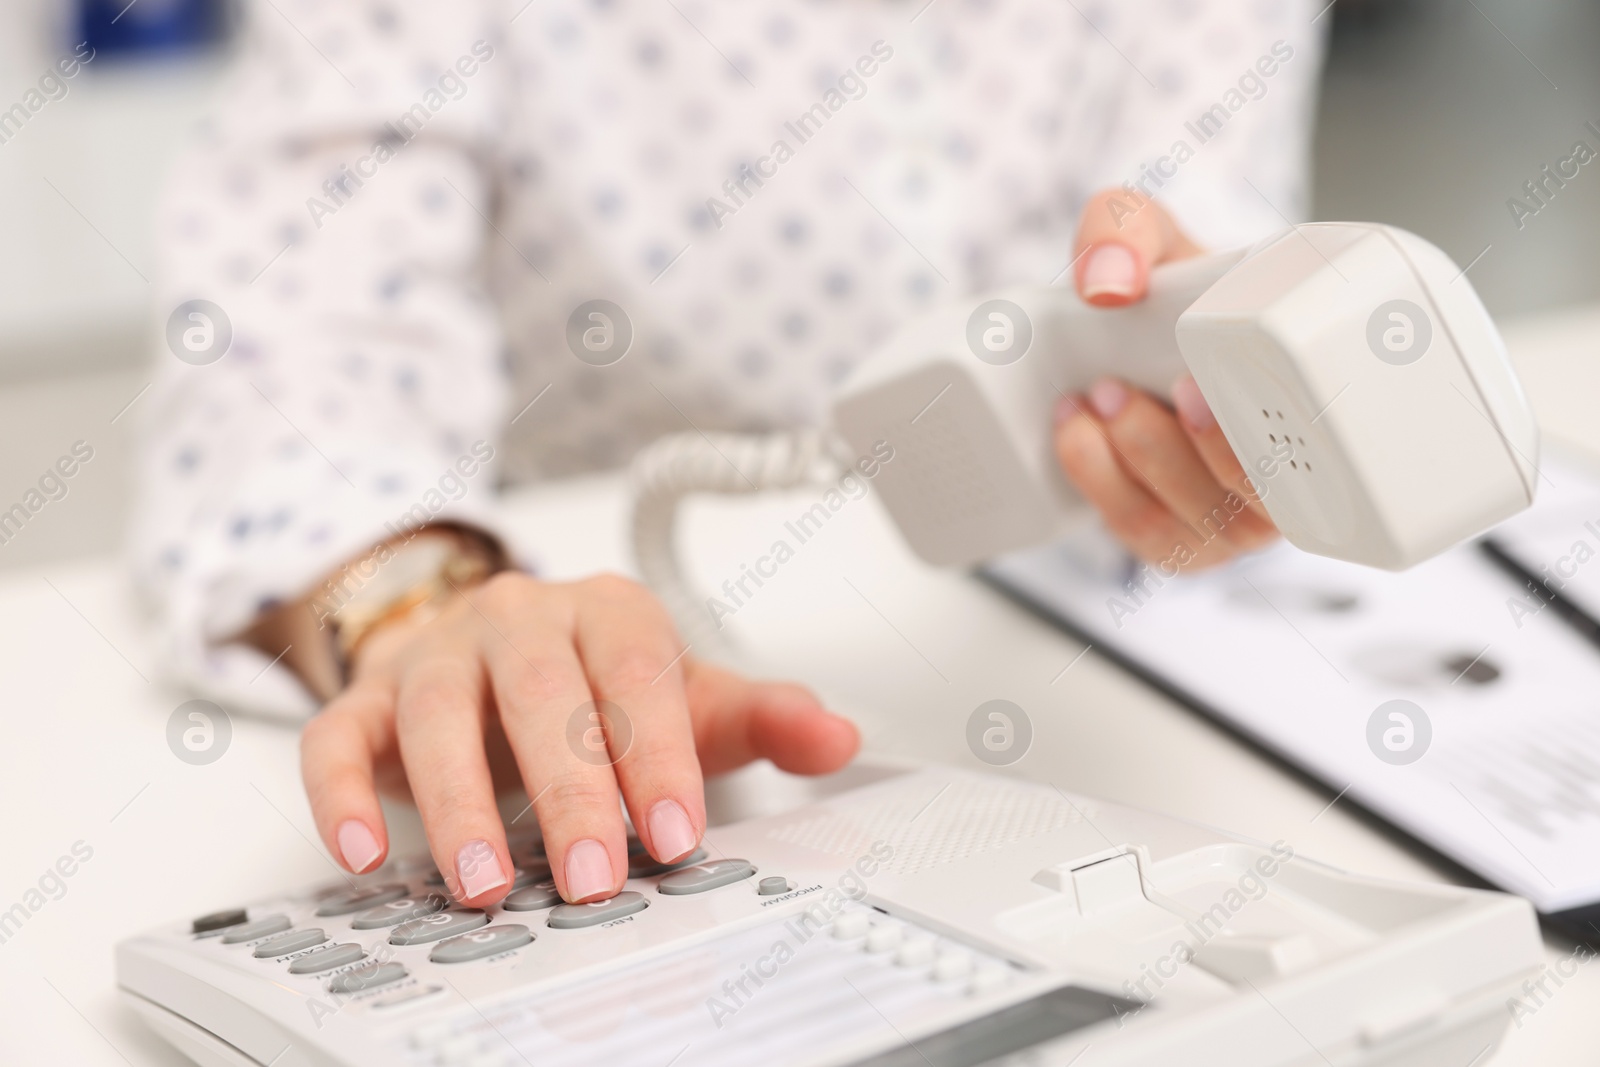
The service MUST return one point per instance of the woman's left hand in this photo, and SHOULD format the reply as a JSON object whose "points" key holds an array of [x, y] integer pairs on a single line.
{"points": [[1164, 478]]}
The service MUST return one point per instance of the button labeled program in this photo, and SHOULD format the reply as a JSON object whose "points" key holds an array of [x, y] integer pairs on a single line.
{"points": [[577, 916], [706, 876]]}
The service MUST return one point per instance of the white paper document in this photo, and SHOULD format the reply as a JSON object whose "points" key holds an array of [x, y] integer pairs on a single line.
{"points": [[1446, 699]]}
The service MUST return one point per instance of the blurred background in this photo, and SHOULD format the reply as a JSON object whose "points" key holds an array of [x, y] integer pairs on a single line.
{"points": [[1434, 113]]}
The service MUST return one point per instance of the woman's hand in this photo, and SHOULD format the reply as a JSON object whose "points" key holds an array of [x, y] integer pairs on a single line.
{"points": [[504, 685], [1166, 482]]}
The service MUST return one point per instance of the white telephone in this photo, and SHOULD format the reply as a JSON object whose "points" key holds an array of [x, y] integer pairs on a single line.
{"points": [[1011, 924], [1351, 366]]}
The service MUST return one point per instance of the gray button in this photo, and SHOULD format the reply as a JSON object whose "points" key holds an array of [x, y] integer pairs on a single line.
{"points": [[437, 927], [577, 916], [290, 942], [398, 911], [366, 978], [704, 876], [326, 959], [773, 885], [645, 866], [271, 924], [356, 899], [533, 898], [219, 919], [485, 942], [529, 872]]}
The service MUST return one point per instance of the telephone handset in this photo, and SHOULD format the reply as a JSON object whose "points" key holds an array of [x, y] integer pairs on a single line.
{"points": [[1351, 366]]}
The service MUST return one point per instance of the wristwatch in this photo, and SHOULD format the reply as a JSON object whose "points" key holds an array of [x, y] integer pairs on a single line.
{"points": [[395, 580], [413, 573]]}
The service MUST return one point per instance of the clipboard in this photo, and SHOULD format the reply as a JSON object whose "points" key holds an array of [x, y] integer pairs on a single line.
{"points": [[1494, 759]]}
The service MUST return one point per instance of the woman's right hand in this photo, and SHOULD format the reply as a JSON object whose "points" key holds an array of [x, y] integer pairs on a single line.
{"points": [[500, 687]]}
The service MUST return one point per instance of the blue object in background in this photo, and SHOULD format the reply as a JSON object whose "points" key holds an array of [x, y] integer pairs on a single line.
{"points": [[150, 27]]}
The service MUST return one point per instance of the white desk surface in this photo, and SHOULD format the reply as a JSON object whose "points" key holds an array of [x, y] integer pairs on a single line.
{"points": [[907, 650]]}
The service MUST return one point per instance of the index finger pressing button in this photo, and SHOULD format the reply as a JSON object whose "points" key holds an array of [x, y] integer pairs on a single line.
{"points": [[577, 916], [644, 865], [399, 911]]}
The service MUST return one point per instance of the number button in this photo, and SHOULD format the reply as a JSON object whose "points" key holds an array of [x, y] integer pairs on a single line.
{"points": [[705, 877], [272, 924], [294, 941], [356, 899], [366, 978], [437, 927], [398, 911], [577, 916], [326, 959], [486, 942]]}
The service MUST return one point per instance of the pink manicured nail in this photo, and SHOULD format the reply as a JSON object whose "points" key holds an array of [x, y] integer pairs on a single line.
{"points": [[1191, 405], [357, 845], [478, 868], [1111, 270], [1108, 397], [589, 871], [671, 833]]}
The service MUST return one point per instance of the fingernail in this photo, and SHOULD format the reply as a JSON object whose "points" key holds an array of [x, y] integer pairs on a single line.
{"points": [[588, 870], [1111, 270], [1191, 405], [357, 845], [1108, 397], [478, 868], [670, 830], [1068, 408]]}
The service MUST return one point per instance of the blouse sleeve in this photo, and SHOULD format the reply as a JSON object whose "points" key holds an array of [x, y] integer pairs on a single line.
{"points": [[330, 365]]}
